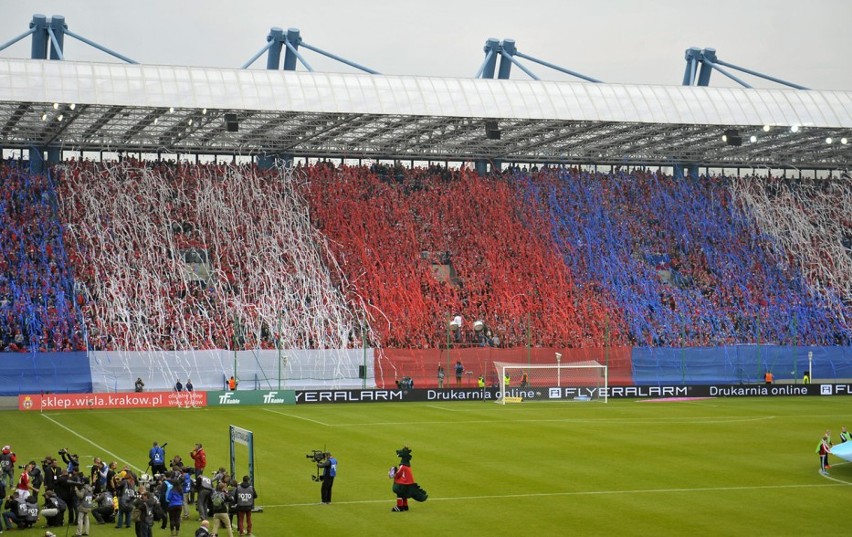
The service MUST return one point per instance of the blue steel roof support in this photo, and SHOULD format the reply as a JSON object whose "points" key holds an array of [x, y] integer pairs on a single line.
{"points": [[512, 59], [102, 48], [275, 39], [338, 58], [56, 49], [38, 27], [56, 29], [692, 56], [291, 49], [760, 75], [708, 61], [733, 77], [8, 44], [491, 49], [258, 54], [556, 67], [292, 41], [507, 50], [707, 57]]}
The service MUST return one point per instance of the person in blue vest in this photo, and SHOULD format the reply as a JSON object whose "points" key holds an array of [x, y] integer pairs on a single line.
{"points": [[329, 472], [157, 458]]}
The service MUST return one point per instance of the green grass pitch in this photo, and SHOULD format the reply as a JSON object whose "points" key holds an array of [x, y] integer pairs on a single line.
{"points": [[703, 467]]}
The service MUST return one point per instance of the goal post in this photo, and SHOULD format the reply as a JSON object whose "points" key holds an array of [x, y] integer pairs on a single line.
{"points": [[577, 381], [238, 435]]}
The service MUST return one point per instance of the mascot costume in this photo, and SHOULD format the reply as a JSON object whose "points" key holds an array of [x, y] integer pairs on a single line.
{"points": [[404, 485]]}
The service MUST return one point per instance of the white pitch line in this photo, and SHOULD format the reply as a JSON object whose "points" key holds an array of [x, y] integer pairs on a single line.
{"points": [[578, 493], [298, 417], [452, 409], [83, 438], [644, 421]]}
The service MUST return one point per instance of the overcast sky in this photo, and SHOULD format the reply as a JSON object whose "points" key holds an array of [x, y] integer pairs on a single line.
{"points": [[619, 41]]}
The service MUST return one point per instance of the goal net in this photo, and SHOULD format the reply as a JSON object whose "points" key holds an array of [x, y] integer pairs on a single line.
{"points": [[577, 381]]}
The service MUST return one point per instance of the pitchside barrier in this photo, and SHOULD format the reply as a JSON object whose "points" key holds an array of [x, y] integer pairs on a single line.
{"points": [[116, 371], [65, 401]]}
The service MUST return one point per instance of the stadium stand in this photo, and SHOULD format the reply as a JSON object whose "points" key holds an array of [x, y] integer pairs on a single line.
{"points": [[168, 256], [38, 310]]}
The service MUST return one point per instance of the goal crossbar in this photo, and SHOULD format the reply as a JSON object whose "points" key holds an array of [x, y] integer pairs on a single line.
{"points": [[575, 381]]}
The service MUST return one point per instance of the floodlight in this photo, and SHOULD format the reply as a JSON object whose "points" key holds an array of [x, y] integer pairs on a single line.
{"points": [[56, 106], [60, 117], [794, 128], [766, 128], [829, 140], [72, 106], [844, 141], [752, 138]]}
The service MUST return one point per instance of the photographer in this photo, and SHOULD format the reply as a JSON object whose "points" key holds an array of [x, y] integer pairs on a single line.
{"points": [[85, 504], [73, 461], [157, 458], [104, 509], [126, 493], [54, 509], [7, 466], [217, 506], [328, 465], [204, 488], [65, 487], [16, 511], [244, 495]]}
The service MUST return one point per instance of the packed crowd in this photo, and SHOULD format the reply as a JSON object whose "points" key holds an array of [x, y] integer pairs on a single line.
{"points": [[508, 275], [38, 309], [123, 496], [164, 256], [688, 262], [199, 257]]}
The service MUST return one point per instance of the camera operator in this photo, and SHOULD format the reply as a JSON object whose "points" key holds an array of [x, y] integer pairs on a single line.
{"points": [[73, 461], [328, 465]]}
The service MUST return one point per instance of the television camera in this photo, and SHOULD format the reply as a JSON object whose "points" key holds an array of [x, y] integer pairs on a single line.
{"points": [[318, 456]]}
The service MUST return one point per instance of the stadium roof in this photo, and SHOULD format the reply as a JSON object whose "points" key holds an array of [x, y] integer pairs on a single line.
{"points": [[173, 109]]}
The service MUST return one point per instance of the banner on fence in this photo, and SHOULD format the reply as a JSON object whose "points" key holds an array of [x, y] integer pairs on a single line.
{"points": [[78, 401], [251, 397]]}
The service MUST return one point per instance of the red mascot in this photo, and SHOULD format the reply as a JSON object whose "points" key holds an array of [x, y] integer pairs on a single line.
{"points": [[404, 485]]}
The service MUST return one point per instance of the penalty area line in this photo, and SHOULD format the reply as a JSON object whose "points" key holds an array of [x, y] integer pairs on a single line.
{"points": [[577, 493], [89, 441], [297, 417]]}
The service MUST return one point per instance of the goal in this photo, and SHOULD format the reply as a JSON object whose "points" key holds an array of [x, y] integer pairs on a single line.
{"points": [[577, 381]]}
